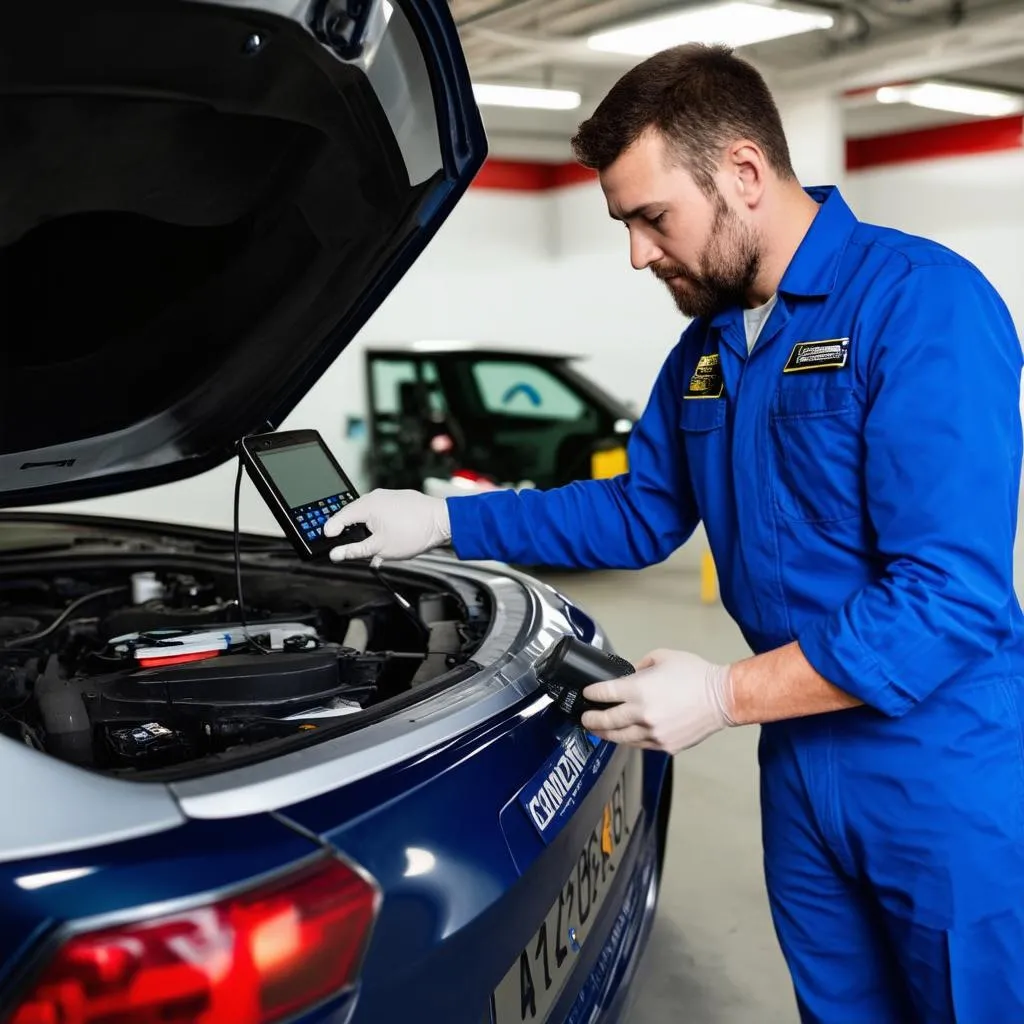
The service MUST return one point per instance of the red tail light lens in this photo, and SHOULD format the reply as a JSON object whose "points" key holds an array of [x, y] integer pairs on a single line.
{"points": [[249, 959]]}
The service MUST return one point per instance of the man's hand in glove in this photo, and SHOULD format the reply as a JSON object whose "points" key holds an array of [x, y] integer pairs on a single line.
{"points": [[674, 701], [402, 524]]}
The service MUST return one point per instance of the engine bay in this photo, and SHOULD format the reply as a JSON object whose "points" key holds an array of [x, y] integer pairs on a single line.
{"points": [[140, 670]]}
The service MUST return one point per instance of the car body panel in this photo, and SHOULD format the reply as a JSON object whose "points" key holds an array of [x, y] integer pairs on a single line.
{"points": [[466, 919], [82, 809], [456, 910]]}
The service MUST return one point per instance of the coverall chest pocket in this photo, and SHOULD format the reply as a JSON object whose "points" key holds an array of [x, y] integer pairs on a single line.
{"points": [[702, 422], [817, 451]]}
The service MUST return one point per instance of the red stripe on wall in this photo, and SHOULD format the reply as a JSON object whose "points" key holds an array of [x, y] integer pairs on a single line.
{"points": [[523, 176], [989, 136], [970, 139], [516, 176], [573, 174]]}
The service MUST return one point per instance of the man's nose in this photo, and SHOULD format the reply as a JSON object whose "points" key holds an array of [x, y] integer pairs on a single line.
{"points": [[642, 251]]}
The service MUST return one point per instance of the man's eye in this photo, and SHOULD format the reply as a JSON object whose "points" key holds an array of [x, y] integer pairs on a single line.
{"points": [[656, 221]]}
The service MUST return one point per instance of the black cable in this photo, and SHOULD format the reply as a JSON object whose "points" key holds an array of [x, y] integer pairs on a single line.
{"points": [[238, 560], [63, 617], [417, 621]]}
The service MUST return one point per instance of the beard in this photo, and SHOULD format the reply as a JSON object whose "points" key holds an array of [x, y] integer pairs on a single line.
{"points": [[727, 268]]}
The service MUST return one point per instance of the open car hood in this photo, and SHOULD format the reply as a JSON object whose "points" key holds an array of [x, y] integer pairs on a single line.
{"points": [[200, 205]]}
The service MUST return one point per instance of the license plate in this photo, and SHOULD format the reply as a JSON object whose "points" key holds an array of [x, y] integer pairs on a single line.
{"points": [[536, 979]]}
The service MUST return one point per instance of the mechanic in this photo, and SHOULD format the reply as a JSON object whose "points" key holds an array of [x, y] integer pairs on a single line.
{"points": [[843, 413]]}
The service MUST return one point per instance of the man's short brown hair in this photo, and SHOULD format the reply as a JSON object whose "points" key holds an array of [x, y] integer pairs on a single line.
{"points": [[701, 99]]}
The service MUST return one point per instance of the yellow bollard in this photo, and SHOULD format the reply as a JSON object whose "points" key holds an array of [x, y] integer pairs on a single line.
{"points": [[708, 579]]}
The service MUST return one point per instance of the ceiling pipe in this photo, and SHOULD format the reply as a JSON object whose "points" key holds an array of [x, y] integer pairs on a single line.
{"points": [[494, 11], [521, 29], [980, 41], [544, 48], [984, 39]]}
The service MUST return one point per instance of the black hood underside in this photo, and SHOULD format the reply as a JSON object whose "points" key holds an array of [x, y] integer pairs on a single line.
{"points": [[199, 206]]}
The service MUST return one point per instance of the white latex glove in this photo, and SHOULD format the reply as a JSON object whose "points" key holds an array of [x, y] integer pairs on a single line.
{"points": [[675, 700], [403, 524]]}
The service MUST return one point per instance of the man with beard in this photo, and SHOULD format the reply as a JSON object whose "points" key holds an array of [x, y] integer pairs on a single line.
{"points": [[843, 415]]}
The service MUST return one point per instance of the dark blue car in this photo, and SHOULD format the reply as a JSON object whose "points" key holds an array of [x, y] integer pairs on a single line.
{"points": [[354, 802]]}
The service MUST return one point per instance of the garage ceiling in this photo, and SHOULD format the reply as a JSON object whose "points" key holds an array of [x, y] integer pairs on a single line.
{"points": [[871, 43]]}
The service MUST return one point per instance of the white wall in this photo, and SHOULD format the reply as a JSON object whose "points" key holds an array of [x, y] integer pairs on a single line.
{"points": [[813, 123], [974, 205], [552, 271]]}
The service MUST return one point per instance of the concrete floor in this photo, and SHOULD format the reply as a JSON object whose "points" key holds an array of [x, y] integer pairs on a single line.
{"points": [[712, 958]]}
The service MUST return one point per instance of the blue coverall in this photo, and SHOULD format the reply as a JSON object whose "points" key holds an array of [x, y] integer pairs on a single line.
{"points": [[858, 478]]}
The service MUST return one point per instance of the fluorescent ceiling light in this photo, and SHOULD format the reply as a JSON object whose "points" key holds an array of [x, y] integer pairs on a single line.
{"points": [[525, 96], [957, 99], [732, 24]]}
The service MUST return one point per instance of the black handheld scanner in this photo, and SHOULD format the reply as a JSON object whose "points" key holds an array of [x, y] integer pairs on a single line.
{"points": [[570, 666]]}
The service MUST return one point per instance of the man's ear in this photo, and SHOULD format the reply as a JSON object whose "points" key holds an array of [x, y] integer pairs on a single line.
{"points": [[747, 169]]}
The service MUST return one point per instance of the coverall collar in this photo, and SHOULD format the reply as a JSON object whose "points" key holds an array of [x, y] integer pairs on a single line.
{"points": [[814, 268]]}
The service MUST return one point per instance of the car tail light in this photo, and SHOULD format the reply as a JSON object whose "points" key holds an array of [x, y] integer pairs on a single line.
{"points": [[252, 958]]}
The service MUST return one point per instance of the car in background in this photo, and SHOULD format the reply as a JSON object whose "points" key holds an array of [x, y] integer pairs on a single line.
{"points": [[488, 416], [241, 788]]}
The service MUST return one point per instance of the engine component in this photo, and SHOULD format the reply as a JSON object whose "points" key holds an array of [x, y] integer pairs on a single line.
{"points": [[176, 601], [64, 715], [146, 587], [16, 681], [444, 643], [150, 667], [154, 615], [156, 645], [148, 745], [17, 625], [271, 685]]}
